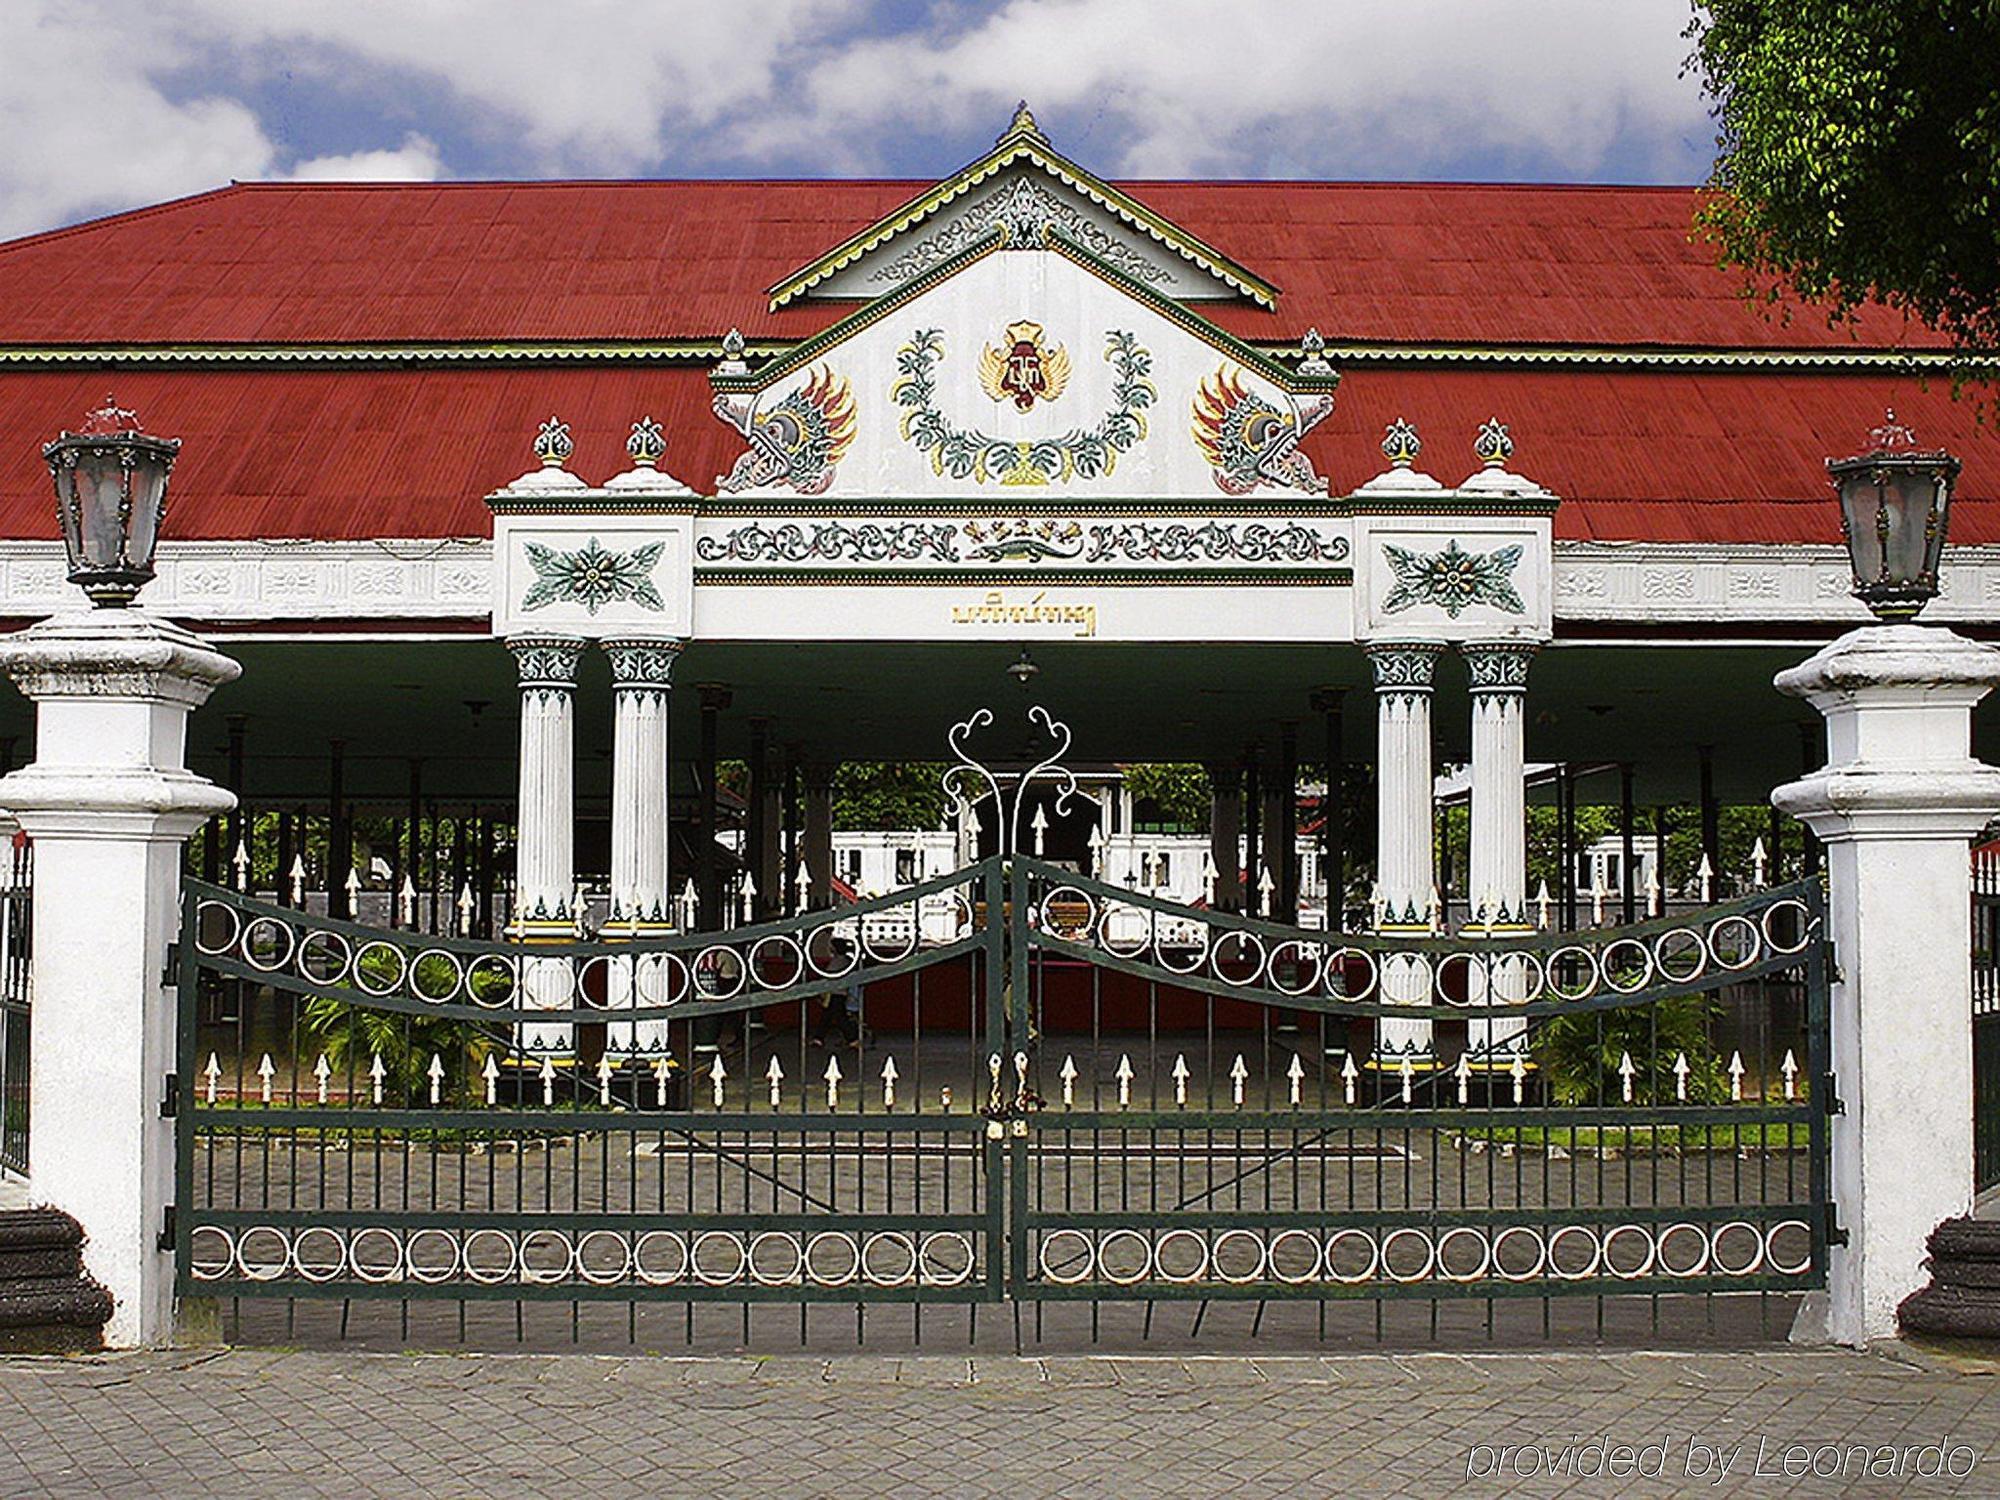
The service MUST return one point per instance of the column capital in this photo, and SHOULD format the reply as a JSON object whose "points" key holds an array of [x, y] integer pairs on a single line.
{"points": [[1404, 666], [642, 662], [546, 661], [1499, 666]]}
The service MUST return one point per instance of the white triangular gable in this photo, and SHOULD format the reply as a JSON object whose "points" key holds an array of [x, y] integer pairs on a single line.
{"points": [[1137, 396]]}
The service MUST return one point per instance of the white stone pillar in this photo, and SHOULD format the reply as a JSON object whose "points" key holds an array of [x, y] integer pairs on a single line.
{"points": [[1896, 805], [817, 780], [109, 804], [545, 831], [642, 672], [1406, 859], [1497, 885]]}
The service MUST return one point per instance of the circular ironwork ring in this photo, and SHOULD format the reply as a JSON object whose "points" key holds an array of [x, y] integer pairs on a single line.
{"points": [[1336, 967], [457, 976], [262, 1270], [1666, 1238], [722, 951], [1806, 925], [600, 1276], [431, 1275], [793, 1275], [798, 955], [1132, 950], [848, 926], [1541, 1253], [1609, 967], [1430, 1254], [648, 1274], [509, 969], [318, 1270], [210, 1270], [1756, 1253], [1367, 1272], [391, 1272], [1596, 1252], [1753, 948], [1255, 1271], [1271, 1257], [311, 942], [895, 1237], [201, 910], [1257, 970], [247, 948], [1160, 1256], [1079, 933], [1161, 947], [946, 1278], [1089, 1256], [1666, 967], [1771, 1248], [490, 1275], [1594, 976], [1651, 1243], [1145, 1258], [546, 1275], [707, 1277], [1485, 1253], [1309, 952], [847, 1242], [361, 978]]}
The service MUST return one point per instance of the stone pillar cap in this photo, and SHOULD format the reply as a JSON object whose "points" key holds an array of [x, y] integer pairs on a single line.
{"points": [[1893, 656], [114, 653]]}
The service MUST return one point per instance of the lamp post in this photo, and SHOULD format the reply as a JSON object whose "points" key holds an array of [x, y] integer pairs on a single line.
{"points": [[111, 495], [109, 803], [1896, 806], [1895, 498]]}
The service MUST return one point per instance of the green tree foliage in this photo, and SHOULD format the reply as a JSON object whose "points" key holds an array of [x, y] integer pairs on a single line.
{"points": [[1859, 154], [880, 794], [1179, 789]]}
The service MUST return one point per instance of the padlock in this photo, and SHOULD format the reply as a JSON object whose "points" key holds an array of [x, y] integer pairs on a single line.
{"points": [[994, 1131]]}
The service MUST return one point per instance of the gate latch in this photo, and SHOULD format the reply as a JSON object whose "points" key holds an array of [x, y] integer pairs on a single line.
{"points": [[170, 1096], [1006, 1117]]}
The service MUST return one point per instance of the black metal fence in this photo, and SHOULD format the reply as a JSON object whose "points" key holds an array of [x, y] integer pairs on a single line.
{"points": [[17, 914]]}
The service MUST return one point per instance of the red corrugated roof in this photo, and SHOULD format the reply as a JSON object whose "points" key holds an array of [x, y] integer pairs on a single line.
{"points": [[409, 452], [403, 263]]}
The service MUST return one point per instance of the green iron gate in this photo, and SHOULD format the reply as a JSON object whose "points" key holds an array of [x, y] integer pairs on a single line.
{"points": [[1072, 1092], [1204, 1112]]}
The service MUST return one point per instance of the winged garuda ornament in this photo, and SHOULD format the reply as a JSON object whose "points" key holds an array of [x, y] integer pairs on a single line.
{"points": [[1248, 441], [797, 441], [1022, 368]]}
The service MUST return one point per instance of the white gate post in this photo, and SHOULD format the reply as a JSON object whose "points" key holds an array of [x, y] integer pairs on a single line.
{"points": [[1896, 806], [109, 803]]}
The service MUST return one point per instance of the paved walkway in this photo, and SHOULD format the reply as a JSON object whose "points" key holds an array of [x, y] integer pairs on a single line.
{"points": [[296, 1424]]}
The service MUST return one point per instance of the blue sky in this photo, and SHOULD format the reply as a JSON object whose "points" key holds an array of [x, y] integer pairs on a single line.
{"points": [[110, 104]]}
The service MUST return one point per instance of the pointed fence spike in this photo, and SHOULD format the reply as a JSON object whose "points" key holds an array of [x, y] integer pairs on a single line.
{"points": [[775, 1077], [1068, 1077], [889, 1077], [1296, 1076], [435, 1073], [322, 1070], [1542, 906], [1463, 1073], [1180, 1078], [1518, 1071], [1790, 1068], [1681, 1077], [376, 1073], [298, 874], [604, 1077], [661, 1073], [1625, 1072], [491, 1073], [548, 1076], [1736, 1076], [832, 1076], [1707, 873], [1124, 1077], [265, 1071], [1239, 1073], [1758, 861], [1409, 1076], [1348, 1074]]}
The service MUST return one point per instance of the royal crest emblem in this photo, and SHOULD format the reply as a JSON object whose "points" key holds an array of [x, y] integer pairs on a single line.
{"points": [[1248, 441], [798, 441], [1023, 368]]}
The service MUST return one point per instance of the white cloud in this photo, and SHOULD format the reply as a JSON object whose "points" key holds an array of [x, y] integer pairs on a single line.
{"points": [[416, 160], [1367, 88], [87, 132]]}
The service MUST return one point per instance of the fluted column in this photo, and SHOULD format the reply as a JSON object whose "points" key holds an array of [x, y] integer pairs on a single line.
{"points": [[818, 781], [1406, 872], [1497, 890], [544, 842], [642, 673], [1225, 833]]}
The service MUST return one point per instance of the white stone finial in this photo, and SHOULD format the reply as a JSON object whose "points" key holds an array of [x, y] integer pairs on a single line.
{"points": [[553, 445]]}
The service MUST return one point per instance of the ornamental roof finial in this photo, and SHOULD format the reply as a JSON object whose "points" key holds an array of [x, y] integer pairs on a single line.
{"points": [[552, 443], [1313, 346], [1400, 444], [1891, 437], [1023, 124], [1494, 445], [733, 345], [647, 444]]}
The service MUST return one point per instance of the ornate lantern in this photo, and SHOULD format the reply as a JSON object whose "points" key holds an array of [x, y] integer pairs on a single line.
{"points": [[1893, 502], [111, 494]]}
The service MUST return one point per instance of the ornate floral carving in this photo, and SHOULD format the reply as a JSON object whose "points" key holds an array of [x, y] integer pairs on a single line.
{"points": [[593, 576], [642, 663], [1453, 579], [968, 453], [546, 661], [552, 443], [1498, 666], [1405, 666], [1494, 445], [1026, 209], [647, 444], [907, 541], [1400, 444], [1214, 541], [1024, 540]]}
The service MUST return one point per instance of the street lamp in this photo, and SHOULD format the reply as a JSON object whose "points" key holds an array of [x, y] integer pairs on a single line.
{"points": [[1893, 502], [111, 493]]}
